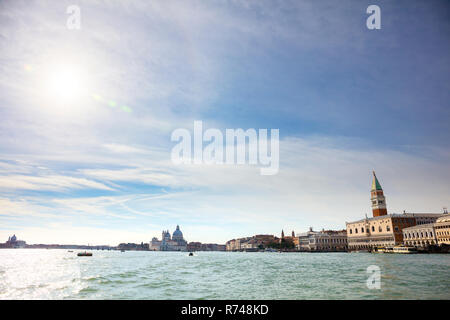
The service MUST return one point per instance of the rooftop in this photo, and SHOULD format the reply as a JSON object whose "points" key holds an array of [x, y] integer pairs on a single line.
{"points": [[399, 215], [419, 226]]}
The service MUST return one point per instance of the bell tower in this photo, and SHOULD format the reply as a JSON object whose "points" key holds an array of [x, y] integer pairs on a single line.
{"points": [[377, 198]]}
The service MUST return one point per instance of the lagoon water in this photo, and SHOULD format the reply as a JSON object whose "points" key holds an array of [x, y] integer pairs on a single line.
{"points": [[59, 274]]}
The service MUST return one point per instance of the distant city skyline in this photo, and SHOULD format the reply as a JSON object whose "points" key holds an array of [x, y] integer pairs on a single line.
{"points": [[87, 116]]}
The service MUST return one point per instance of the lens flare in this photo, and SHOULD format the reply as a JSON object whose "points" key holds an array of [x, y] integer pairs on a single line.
{"points": [[65, 82]]}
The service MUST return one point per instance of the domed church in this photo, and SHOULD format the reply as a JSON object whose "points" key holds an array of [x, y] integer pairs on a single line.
{"points": [[177, 234], [168, 243]]}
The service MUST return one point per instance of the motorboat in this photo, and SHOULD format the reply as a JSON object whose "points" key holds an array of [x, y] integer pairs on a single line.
{"points": [[379, 250], [84, 254], [404, 249]]}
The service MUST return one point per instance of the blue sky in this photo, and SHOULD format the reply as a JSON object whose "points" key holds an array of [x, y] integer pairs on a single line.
{"points": [[94, 166]]}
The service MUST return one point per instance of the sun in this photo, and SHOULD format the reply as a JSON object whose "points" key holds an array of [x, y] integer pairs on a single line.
{"points": [[65, 82]]}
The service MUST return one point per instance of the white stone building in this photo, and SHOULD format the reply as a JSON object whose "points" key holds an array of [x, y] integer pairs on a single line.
{"points": [[168, 243]]}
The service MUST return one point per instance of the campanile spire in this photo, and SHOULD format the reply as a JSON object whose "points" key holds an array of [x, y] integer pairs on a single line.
{"points": [[377, 198]]}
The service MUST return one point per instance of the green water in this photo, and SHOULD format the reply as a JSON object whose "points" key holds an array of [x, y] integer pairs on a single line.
{"points": [[59, 274]]}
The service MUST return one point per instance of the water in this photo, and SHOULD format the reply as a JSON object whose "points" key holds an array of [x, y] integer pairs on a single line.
{"points": [[59, 274]]}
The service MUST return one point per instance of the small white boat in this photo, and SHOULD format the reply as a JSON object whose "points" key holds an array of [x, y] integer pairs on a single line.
{"points": [[404, 249], [396, 249]]}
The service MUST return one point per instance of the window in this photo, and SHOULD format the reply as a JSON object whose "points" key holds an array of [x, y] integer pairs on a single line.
{"points": [[379, 229], [350, 231], [356, 230], [362, 230], [388, 228], [373, 229]]}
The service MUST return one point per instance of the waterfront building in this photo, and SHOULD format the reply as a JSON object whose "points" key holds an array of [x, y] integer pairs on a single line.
{"points": [[322, 241], [175, 242], [236, 244], [289, 239], [256, 242], [265, 239], [198, 246], [421, 235], [13, 242], [130, 246], [250, 245], [383, 229], [230, 245], [212, 247], [194, 246], [442, 227]]}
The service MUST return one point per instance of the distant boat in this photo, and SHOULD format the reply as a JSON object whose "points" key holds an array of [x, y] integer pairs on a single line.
{"points": [[396, 249], [84, 254], [191, 254], [378, 250], [404, 249], [70, 251], [122, 250]]}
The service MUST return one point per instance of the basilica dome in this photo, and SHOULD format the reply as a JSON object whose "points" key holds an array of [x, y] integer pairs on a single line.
{"points": [[177, 234]]}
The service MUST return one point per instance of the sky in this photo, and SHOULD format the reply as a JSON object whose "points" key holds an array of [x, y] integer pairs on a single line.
{"points": [[86, 115]]}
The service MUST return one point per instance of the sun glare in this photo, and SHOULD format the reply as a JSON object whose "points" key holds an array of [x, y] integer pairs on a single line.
{"points": [[65, 82]]}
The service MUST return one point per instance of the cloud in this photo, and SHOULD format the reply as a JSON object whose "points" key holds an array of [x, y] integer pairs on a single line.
{"points": [[48, 183]]}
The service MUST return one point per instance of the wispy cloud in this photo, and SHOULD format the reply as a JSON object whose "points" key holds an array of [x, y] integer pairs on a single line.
{"points": [[50, 183]]}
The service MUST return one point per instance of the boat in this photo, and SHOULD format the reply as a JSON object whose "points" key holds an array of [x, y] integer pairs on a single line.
{"points": [[389, 250], [84, 254], [122, 250], [404, 249], [396, 249], [70, 251], [191, 254], [379, 250]]}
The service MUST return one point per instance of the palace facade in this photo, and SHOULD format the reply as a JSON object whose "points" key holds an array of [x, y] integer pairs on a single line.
{"points": [[324, 241], [442, 227], [383, 229], [421, 235]]}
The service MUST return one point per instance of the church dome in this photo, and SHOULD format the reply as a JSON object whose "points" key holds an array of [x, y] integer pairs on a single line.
{"points": [[177, 233]]}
